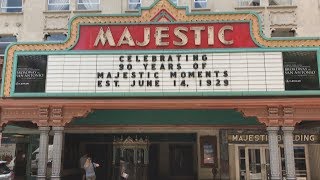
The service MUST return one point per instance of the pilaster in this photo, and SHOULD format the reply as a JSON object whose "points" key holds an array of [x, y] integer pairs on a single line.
{"points": [[43, 152], [274, 153], [289, 152], [57, 152]]}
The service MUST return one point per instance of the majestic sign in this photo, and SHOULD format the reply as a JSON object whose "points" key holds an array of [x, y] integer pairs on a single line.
{"points": [[165, 36], [163, 51]]}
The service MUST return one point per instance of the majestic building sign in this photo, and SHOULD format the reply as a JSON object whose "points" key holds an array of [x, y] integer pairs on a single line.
{"points": [[163, 51], [300, 138]]}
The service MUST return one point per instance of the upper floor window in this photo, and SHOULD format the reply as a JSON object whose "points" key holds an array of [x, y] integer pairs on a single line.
{"points": [[57, 37], [175, 2], [10, 5], [88, 4], [5, 41], [200, 3], [134, 4], [280, 2], [249, 2], [58, 5], [283, 32]]}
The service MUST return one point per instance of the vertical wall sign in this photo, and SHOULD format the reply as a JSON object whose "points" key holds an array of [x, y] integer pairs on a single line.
{"points": [[301, 70], [31, 74]]}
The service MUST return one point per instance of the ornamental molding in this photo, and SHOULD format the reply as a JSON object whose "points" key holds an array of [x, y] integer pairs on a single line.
{"points": [[283, 17], [57, 116], [56, 22], [130, 141], [59, 112], [180, 14], [283, 115]]}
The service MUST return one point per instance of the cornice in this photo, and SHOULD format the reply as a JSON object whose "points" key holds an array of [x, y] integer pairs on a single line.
{"points": [[59, 112], [43, 116]]}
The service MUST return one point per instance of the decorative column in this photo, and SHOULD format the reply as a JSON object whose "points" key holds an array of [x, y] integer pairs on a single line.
{"points": [[289, 152], [43, 152], [57, 152], [274, 153]]}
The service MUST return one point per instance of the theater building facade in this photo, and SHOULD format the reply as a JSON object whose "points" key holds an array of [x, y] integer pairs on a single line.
{"points": [[177, 95]]}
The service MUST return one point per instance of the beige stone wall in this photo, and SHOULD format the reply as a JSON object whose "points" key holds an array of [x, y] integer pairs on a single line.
{"points": [[308, 18], [232, 161]]}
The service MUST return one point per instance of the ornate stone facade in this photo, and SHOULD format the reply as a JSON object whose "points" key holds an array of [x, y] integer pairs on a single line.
{"points": [[49, 112]]}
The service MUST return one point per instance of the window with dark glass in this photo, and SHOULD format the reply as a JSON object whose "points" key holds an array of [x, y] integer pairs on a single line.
{"points": [[200, 3], [242, 161], [249, 3], [299, 159], [56, 37], [88, 4], [283, 32], [280, 2], [10, 5], [5, 41], [58, 5]]}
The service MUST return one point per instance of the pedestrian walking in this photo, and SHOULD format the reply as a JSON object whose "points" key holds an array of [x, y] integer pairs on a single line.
{"points": [[89, 167], [83, 160]]}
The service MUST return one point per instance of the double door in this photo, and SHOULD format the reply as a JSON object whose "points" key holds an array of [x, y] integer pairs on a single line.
{"points": [[254, 163]]}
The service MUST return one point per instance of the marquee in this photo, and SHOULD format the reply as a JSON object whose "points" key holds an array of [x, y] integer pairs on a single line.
{"points": [[163, 51]]}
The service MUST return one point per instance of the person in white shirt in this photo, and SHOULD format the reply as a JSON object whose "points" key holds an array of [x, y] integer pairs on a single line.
{"points": [[83, 160], [89, 168]]}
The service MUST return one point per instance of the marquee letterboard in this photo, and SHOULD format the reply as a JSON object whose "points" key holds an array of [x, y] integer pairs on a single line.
{"points": [[161, 73]]}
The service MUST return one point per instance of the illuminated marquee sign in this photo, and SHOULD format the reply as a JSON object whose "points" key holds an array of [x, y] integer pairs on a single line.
{"points": [[210, 72], [170, 36], [163, 52]]}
